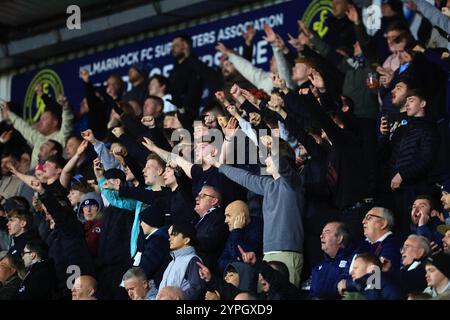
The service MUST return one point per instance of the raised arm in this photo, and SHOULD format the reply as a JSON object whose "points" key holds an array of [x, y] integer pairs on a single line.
{"points": [[108, 160], [254, 183], [66, 121], [168, 156], [66, 172]]}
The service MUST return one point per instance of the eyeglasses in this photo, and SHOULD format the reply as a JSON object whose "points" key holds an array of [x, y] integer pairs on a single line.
{"points": [[202, 195], [406, 246], [370, 216]]}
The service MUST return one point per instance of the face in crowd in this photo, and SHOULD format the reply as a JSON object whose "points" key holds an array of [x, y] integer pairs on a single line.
{"points": [[136, 288], [421, 207], [411, 251], [205, 200]]}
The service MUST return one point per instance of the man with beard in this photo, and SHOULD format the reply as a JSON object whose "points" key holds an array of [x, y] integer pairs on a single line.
{"points": [[137, 75], [187, 78], [232, 76]]}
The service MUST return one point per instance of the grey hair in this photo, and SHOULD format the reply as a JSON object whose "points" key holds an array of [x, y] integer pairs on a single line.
{"points": [[134, 272], [386, 214], [342, 230], [423, 243]]}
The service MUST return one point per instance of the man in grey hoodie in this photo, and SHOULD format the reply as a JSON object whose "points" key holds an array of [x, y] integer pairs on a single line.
{"points": [[282, 207]]}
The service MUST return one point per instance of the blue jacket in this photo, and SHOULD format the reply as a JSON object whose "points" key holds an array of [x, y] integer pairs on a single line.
{"points": [[155, 255], [429, 231], [250, 238], [389, 249], [326, 275], [410, 278]]}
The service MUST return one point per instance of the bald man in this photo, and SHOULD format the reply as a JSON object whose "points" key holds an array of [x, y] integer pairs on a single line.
{"points": [[84, 288], [170, 293], [245, 231], [245, 296]]}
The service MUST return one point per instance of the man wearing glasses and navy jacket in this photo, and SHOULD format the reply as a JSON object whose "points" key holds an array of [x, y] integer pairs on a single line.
{"points": [[212, 232]]}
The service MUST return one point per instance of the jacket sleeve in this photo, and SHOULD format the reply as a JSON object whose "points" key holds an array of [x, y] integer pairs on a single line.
{"points": [[254, 183], [106, 157], [283, 67], [135, 150], [29, 133], [248, 130], [424, 158], [258, 77], [97, 114], [134, 127], [139, 193], [197, 285], [135, 169], [155, 134], [63, 216], [66, 126], [231, 252], [436, 17], [114, 199], [317, 112]]}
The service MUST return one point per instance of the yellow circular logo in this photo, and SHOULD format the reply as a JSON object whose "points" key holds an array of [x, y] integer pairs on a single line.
{"points": [[315, 16], [33, 105]]}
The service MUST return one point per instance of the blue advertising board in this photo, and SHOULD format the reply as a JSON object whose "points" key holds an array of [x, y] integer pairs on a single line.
{"points": [[64, 78]]}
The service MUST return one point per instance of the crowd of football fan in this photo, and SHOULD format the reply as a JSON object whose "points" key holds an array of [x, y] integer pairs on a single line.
{"points": [[129, 197]]}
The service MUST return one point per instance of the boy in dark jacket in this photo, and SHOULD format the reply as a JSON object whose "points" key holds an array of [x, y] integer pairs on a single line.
{"points": [[153, 251], [370, 281]]}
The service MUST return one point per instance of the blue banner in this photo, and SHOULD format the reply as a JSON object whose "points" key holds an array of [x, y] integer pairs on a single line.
{"points": [[64, 78]]}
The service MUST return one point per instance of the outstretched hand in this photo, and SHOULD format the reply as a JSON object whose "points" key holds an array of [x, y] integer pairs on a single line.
{"points": [[222, 49], [36, 185], [270, 34], [317, 81], [99, 171], [149, 144], [247, 257], [204, 272], [82, 148], [88, 135], [84, 75]]}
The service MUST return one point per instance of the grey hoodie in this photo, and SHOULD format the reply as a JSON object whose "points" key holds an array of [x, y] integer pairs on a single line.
{"points": [[88, 196], [247, 276]]}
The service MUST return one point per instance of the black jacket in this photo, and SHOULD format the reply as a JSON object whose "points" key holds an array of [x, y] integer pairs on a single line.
{"points": [[186, 82], [20, 242], [39, 282], [347, 173], [212, 233], [138, 93], [155, 255], [8, 289], [412, 150], [67, 244], [114, 244]]}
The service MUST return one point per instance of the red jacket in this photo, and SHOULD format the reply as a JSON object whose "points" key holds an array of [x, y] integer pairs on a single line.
{"points": [[92, 231]]}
